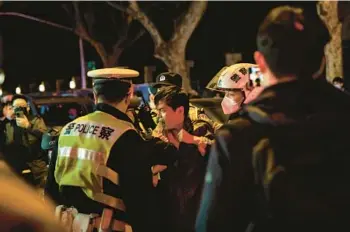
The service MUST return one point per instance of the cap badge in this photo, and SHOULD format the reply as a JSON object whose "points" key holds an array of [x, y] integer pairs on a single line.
{"points": [[162, 78]]}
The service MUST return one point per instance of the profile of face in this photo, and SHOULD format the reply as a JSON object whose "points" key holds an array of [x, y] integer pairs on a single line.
{"points": [[173, 119], [6, 111], [232, 101], [16, 104], [151, 102]]}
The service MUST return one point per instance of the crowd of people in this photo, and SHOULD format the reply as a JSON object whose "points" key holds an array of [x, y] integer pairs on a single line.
{"points": [[278, 164]]}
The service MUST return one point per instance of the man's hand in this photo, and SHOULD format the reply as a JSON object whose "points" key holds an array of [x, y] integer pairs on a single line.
{"points": [[185, 137], [23, 122], [202, 148], [156, 170], [157, 133]]}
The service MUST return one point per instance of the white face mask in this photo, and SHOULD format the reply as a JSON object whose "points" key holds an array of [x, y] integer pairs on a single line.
{"points": [[338, 86], [229, 106]]}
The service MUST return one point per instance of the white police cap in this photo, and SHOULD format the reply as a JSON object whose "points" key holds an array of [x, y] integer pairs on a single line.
{"points": [[113, 73]]}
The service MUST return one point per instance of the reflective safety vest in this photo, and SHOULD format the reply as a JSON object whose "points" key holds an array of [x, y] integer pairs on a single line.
{"points": [[83, 150]]}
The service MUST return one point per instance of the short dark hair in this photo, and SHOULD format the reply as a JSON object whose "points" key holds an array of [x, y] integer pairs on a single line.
{"points": [[19, 96], [111, 90], [338, 79], [173, 97], [290, 39]]}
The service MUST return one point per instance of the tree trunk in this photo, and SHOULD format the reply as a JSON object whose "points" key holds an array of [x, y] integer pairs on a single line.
{"points": [[109, 60], [327, 10], [172, 52], [112, 60], [175, 60]]}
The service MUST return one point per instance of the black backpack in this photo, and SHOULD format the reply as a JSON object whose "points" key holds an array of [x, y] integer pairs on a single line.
{"points": [[302, 173]]}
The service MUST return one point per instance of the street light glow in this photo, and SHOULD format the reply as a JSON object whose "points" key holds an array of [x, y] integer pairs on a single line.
{"points": [[72, 84], [2, 76], [1, 92], [42, 87], [18, 90]]}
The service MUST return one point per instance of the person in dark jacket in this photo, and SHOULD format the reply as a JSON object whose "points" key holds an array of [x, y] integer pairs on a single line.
{"points": [[23, 132], [295, 116], [182, 181], [5, 115]]}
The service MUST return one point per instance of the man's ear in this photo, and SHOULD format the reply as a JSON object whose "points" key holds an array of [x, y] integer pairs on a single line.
{"points": [[180, 110], [260, 61], [95, 97], [127, 98]]}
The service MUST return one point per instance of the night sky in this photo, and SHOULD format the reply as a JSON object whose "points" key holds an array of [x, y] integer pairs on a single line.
{"points": [[35, 52]]}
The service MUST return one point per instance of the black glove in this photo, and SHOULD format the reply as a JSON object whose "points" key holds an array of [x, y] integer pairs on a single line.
{"points": [[146, 118]]}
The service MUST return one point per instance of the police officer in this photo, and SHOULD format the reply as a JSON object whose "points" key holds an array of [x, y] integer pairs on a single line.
{"points": [[101, 162], [239, 89], [195, 113]]}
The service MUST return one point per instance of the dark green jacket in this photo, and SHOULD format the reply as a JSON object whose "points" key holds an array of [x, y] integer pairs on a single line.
{"points": [[31, 137]]}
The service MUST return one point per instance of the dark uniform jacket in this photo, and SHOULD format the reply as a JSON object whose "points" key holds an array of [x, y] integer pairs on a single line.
{"points": [[131, 158], [229, 193]]}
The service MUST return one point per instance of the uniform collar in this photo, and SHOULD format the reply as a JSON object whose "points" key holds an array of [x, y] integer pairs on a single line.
{"points": [[113, 111]]}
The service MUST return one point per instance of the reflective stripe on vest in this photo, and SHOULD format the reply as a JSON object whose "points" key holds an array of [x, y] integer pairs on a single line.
{"points": [[98, 157], [83, 152], [114, 202]]}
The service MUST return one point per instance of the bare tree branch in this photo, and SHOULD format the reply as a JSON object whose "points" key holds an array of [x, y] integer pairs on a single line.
{"points": [[68, 11], [138, 36], [135, 11], [82, 32], [187, 24], [122, 9], [147, 23], [90, 20], [113, 20], [123, 36], [171, 52], [80, 28], [16, 14]]}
